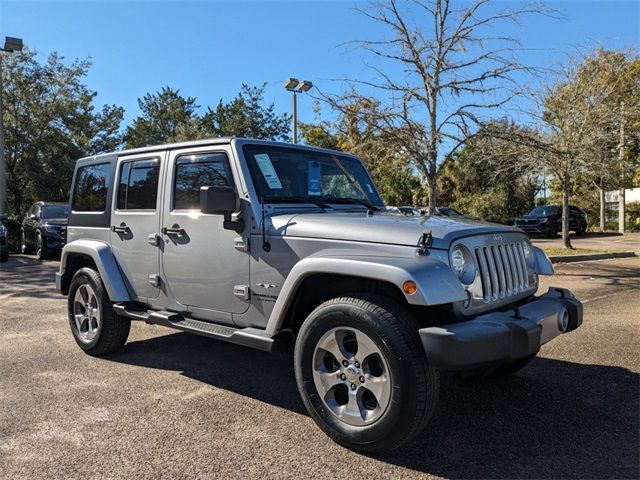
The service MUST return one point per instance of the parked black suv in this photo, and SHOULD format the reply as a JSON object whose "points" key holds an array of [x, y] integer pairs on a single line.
{"points": [[547, 220], [44, 228]]}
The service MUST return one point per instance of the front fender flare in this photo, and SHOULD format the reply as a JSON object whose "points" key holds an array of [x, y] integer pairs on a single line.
{"points": [[105, 262], [436, 283]]}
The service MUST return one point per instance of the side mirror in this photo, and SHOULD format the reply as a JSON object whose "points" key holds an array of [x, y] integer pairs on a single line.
{"points": [[217, 200], [221, 201]]}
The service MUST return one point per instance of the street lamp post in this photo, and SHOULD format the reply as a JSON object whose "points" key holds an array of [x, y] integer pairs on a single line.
{"points": [[10, 45], [295, 86]]}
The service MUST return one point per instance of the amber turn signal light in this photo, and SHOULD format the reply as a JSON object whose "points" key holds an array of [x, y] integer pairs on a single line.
{"points": [[409, 287]]}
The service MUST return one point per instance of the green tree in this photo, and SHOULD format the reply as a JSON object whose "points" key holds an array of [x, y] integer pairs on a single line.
{"points": [[247, 116], [50, 121], [489, 177], [579, 111], [165, 117]]}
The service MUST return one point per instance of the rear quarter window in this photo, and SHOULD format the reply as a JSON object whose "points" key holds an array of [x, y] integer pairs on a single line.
{"points": [[90, 191]]}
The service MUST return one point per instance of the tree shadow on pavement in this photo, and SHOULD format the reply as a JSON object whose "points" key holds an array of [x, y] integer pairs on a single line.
{"points": [[24, 277], [554, 419]]}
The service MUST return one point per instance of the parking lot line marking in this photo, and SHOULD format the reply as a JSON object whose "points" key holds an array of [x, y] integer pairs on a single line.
{"points": [[600, 297], [21, 260]]}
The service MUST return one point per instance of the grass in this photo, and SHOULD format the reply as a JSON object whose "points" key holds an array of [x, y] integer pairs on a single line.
{"points": [[554, 251]]}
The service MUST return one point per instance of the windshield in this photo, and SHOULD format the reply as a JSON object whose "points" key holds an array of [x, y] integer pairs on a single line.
{"points": [[544, 211], [291, 174], [54, 211]]}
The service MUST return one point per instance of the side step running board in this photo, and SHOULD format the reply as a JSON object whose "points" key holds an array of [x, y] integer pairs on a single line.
{"points": [[249, 337]]}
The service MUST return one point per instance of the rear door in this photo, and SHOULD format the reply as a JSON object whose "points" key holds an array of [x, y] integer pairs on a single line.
{"points": [[135, 221], [201, 265]]}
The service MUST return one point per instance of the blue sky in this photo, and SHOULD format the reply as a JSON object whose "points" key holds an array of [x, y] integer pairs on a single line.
{"points": [[208, 48]]}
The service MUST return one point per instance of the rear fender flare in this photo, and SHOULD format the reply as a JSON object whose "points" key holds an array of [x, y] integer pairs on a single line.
{"points": [[102, 256]]}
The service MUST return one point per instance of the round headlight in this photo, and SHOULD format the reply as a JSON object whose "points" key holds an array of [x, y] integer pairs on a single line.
{"points": [[462, 264], [458, 261]]}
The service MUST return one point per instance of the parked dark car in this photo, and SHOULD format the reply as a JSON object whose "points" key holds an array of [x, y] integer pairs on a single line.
{"points": [[44, 228], [4, 239], [547, 220]]}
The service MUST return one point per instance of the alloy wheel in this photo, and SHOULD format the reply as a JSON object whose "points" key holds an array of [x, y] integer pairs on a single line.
{"points": [[86, 313], [352, 376]]}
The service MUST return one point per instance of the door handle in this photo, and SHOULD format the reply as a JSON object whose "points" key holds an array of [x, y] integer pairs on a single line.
{"points": [[174, 230], [120, 229]]}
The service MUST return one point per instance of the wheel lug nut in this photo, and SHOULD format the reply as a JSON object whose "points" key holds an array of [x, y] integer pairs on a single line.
{"points": [[361, 378], [357, 365], [345, 363], [343, 377], [353, 386]]}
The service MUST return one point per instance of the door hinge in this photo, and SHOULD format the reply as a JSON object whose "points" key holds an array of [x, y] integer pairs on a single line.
{"points": [[154, 279], [241, 244], [241, 291]]}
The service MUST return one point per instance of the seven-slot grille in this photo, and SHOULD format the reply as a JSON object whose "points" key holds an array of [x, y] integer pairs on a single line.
{"points": [[503, 270]]}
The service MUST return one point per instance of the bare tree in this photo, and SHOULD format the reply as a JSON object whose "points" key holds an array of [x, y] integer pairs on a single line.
{"points": [[454, 68]]}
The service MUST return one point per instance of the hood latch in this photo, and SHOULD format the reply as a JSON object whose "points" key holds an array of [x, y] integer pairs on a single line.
{"points": [[424, 242]]}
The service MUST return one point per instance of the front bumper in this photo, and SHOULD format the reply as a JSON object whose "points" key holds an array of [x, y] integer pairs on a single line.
{"points": [[538, 228], [503, 336]]}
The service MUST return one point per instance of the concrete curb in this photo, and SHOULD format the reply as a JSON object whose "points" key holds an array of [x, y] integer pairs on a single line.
{"points": [[590, 256]]}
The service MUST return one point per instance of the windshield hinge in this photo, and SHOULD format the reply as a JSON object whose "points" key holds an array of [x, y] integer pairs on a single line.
{"points": [[424, 242]]}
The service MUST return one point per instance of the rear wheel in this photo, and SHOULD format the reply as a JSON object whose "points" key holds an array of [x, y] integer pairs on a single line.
{"points": [[94, 324], [362, 373]]}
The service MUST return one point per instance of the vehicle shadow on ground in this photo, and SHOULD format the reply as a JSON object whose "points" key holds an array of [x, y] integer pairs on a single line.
{"points": [[554, 419], [33, 278]]}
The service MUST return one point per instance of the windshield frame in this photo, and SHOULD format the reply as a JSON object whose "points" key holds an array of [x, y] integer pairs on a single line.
{"points": [[342, 161]]}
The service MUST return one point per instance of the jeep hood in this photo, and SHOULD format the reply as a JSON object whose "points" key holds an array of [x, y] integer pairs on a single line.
{"points": [[380, 227]]}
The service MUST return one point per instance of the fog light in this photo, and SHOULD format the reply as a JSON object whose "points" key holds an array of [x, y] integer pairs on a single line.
{"points": [[409, 287]]}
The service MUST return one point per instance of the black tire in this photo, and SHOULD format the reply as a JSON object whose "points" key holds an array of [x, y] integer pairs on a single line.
{"points": [[4, 256], [582, 229], [415, 384], [113, 331], [24, 248], [41, 247]]}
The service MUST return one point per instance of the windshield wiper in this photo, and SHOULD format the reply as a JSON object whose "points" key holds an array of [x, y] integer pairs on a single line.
{"points": [[298, 199], [353, 200]]}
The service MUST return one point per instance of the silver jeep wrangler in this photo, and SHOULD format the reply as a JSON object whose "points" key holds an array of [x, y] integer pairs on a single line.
{"points": [[271, 245]]}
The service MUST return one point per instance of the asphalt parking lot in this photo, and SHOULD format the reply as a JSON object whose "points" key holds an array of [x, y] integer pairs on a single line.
{"points": [[173, 405]]}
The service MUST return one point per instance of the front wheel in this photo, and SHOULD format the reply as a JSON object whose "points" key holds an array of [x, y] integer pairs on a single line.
{"points": [[362, 373], [41, 247], [24, 248], [95, 326]]}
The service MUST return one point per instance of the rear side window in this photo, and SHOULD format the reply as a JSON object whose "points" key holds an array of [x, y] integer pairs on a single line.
{"points": [[138, 187], [90, 192], [195, 171]]}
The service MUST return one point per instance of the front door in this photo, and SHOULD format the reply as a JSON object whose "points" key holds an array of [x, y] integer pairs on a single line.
{"points": [[135, 222], [200, 263]]}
